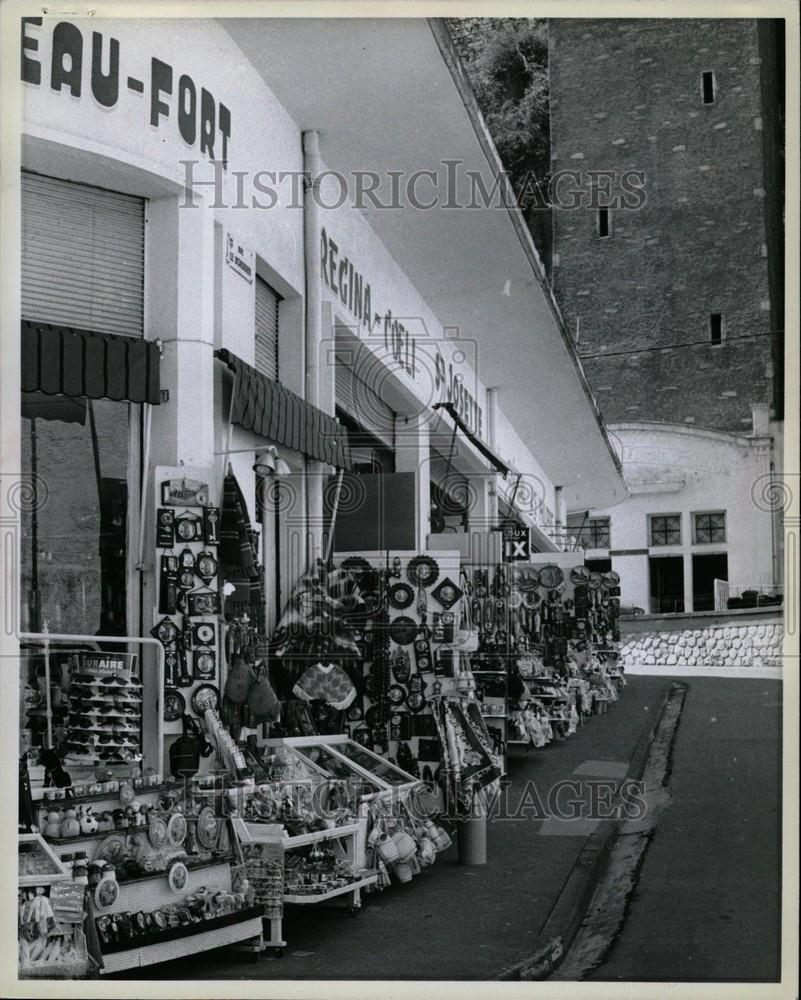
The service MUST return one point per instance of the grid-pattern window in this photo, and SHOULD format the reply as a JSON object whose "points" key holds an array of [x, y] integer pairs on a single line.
{"points": [[709, 528], [665, 529], [594, 534]]}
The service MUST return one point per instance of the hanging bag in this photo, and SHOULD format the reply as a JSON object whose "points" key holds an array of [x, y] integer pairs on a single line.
{"points": [[185, 751]]}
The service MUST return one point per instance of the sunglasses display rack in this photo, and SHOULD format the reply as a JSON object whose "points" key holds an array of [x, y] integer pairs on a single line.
{"points": [[104, 722]]}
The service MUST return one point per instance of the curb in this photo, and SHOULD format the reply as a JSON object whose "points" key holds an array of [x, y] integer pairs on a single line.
{"points": [[567, 913]]}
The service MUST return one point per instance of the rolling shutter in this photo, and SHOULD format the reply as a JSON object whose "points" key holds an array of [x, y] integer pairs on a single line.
{"points": [[364, 406], [266, 329], [83, 257]]}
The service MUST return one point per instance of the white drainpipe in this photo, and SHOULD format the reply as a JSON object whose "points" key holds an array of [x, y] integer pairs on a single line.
{"points": [[313, 334]]}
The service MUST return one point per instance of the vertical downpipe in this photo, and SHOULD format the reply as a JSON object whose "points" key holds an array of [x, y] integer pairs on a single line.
{"points": [[313, 335]]}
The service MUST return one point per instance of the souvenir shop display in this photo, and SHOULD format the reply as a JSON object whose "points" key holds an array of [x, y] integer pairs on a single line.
{"points": [[51, 915], [158, 862], [188, 608]]}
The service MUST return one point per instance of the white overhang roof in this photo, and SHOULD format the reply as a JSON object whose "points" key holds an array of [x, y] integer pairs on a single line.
{"points": [[389, 94]]}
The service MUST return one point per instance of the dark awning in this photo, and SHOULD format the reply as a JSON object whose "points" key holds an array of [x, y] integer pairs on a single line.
{"points": [[274, 412], [61, 360], [477, 443]]}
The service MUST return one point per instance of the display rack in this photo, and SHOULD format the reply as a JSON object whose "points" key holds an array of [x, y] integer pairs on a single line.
{"points": [[348, 837]]}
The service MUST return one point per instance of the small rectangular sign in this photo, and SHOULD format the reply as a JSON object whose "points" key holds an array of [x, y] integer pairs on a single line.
{"points": [[240, 259], [516, 546]]}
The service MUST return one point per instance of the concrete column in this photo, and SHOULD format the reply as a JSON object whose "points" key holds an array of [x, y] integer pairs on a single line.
{"points": [[412, 455], [180, 312], [688, 567]]}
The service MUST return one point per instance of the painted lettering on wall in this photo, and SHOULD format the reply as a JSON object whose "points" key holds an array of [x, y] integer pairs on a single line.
{"points": [[353, 290], [79, 65], [339, 273], [451, 388]]}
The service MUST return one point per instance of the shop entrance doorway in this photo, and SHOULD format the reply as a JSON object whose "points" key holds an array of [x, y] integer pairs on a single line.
{"points": [[667, 584], [706, 569]]}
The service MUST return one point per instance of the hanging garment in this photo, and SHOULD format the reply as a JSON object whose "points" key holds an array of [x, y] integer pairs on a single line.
{"points": [[327, 683]]}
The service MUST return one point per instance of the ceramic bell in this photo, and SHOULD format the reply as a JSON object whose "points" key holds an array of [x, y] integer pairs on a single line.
{"points": [[53, 827], [70, 827]]}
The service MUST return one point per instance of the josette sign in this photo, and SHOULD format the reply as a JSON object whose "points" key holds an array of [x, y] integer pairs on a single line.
{"points": [[65, 60]]}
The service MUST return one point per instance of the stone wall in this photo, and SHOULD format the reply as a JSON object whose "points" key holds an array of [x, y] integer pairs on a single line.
{"points": [[626, 100], [758, 644]]}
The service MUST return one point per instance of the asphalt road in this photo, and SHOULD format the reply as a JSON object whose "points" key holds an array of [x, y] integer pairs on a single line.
{"points": [[455, 921], [707, 903]]}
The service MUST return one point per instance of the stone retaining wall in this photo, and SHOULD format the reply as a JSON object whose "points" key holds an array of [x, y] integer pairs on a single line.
{"points": [[741, 645]]}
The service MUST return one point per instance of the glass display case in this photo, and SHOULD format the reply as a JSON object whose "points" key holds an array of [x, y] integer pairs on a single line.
{"points": [[342, 758], [38, 863]]}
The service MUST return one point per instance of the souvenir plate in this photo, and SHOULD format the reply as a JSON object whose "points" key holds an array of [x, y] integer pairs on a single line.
{"points": [[106, 892], [178, 876], [532, 599], [551, 576], [415, 700], [174, 705], [447, 593], [111, 849], [176, 829], [203, 633], [422, 571], [157, 832], [401, 595], [204, 697], [579, 575], [396, 694], [165, 631], [611, 579], [207, 827], [403, 630]]}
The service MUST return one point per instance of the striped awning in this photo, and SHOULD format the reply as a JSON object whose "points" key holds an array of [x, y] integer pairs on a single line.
{"points": [[274, 412], [69, 362]]}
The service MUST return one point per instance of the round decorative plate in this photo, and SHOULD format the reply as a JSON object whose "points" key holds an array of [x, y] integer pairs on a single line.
{"points": [[106, 892], [204, 697], [127, 794], [174, 705], [355, 712], [515, 599], [369, 685], [206, 828], [415, 700], [422, 571], [551, 576], [403, 630], [401, 595], [371, 716], [396, 694], [178, 876], [611, 579], [176, 829], [579, 575], [157, 832], [111, 849]]}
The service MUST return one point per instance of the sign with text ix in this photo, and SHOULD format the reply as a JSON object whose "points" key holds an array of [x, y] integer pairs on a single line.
{"points": [[516, 545]]}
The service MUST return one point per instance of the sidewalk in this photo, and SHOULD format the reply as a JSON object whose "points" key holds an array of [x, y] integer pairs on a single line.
{"points": [[452, 921]]}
